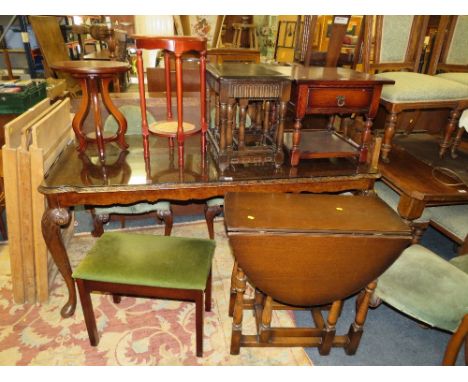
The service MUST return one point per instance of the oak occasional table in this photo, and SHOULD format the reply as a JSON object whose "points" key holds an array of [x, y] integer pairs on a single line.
{"points": [[94, 78], [127, 177], [238, 84], [330, 91]]}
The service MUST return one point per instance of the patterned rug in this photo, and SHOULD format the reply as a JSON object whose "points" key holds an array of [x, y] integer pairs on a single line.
{"points": [[137, 331]]}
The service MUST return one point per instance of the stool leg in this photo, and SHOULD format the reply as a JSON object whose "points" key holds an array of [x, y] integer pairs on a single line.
{"points": [[208, 293], [88, 313], [199, 323]]}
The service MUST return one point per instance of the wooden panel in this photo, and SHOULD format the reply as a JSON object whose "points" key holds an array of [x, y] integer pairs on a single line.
{"points": [[13, 128], [14, 199], [42, 130], [48, 138]]}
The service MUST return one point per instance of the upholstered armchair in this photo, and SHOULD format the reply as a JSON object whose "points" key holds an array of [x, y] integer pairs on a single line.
{"points": [[392, 50], [432, 290]]}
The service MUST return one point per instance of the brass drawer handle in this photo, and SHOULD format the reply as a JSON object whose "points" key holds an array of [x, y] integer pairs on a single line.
{"points": [[340, 100]]}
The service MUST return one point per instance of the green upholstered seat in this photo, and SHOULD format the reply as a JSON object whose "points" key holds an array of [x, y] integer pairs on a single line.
{"points": [[392, 198], [139, 208], [461, 262], [416, 87], [461, 78], [426, 287], [149, 260], [453, 219]]}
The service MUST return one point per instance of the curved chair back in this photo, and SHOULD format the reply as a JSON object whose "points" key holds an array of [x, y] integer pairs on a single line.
{"points": [[450, 51], [393, 42]]}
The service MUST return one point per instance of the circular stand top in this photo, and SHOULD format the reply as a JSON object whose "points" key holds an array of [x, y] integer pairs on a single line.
{"points": [[91, 67]]}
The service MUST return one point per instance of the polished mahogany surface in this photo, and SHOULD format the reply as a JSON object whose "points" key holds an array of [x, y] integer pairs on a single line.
{"points": [[128, 171], [242, 70], [126, 177], [91, 67], [301, 73]]}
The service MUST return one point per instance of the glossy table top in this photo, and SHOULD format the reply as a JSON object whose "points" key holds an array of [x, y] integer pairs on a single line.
{"points": [[91, 67], [240, 70], [128, 170], [300, 73], [296, 73]]}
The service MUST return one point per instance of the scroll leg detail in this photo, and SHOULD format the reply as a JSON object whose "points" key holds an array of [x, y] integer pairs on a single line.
{"points": [[52, 219]]}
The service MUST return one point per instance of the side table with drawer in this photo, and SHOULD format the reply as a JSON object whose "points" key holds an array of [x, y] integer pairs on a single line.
{"points": [[330, 91]]}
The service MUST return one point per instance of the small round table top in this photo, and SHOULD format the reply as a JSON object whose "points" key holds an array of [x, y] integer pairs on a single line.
{"points": [[91, 67]]}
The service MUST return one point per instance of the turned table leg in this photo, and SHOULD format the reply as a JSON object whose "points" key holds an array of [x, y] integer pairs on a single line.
{"points": [[356, 328], [279, 155], [295, 152], [236, 336], [390, 125], [449, 129], [365, 140], [456, 143], [52, 220]]}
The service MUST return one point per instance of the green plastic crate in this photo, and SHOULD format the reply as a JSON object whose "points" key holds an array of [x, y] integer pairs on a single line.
{"points": [[17, 103]]}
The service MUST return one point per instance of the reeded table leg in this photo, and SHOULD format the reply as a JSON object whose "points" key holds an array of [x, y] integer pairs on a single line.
{"points": [[52, 220]]}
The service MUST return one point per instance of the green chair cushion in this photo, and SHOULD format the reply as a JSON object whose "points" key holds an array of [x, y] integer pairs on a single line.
{"points": [[461, 78], [392, 198], [132, 114], [454, 219], [149, 260], [426, 287], [139, 208], [461, 262], [215, 202], [416, 87]]}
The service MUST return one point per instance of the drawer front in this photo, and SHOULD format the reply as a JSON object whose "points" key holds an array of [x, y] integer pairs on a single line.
{"points": [[354, 99]]}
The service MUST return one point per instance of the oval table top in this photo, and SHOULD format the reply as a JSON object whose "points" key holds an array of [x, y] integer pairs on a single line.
{"points": [[91, 67]]}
